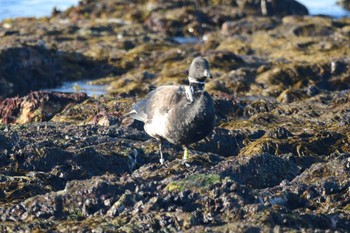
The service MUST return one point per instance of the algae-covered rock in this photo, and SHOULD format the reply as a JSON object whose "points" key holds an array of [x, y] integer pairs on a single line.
{"points": [[194, 182], [65, 168], [37, 106], [277, 160]]}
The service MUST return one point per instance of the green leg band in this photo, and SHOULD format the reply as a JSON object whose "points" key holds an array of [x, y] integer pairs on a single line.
{"points": [[186, 155]]}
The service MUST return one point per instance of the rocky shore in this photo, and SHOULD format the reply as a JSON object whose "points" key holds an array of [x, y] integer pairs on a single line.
{"points": [[277, 161]]}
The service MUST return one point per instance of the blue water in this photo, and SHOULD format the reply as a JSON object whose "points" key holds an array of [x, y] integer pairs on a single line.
{"points": [[185, 40], [81, 86], [325, 7], [32, 8]]}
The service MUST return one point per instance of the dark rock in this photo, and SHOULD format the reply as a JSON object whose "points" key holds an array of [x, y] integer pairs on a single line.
{"points": [[224, 59], [28, 68], [248, 25], [312, 30], [279, 133], [258, 106], [312, 90], [264, 170], [223, 142], [105, 119], [225, 107], [285, 7]]}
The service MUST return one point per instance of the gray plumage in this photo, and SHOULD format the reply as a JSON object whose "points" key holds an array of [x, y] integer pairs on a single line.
{"points": [[181, 115]]}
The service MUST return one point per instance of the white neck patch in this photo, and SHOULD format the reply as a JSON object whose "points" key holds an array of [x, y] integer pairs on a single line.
{"points": [[189, 93], [192, 80]]}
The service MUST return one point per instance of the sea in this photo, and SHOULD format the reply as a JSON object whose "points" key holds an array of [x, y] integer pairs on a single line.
{"points": [[32, 8]]}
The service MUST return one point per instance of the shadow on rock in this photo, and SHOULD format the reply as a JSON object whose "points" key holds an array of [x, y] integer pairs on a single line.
{"points": [[28, 68]]}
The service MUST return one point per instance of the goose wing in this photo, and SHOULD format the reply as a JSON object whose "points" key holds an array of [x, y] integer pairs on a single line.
{"points": [[158, 101]]}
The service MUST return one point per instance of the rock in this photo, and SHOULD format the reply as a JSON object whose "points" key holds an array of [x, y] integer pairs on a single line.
{"points": [[286, 7], [224, 59], [28, 67], [37, 106], [289, 96], [279, 133], [104, 119], [263, 170], [248, 25]]}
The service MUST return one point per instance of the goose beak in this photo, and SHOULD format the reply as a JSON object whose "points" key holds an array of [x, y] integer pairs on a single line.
{"points": [[207, 74]]}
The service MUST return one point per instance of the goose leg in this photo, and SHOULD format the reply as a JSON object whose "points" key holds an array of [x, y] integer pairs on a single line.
{"points": [[186, 156], [161, 160]]}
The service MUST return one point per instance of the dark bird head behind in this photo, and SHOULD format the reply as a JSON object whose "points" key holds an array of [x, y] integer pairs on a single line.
{"points": [[199, 70]]}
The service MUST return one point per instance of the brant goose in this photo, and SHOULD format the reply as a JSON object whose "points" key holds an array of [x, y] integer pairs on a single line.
{"points": [[181, 115]]}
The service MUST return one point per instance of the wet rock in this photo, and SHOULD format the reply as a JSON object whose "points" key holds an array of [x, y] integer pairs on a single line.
{"points": [[288, 76], [263, 170], [223, 142], [4, 143], [185, 20], [311, 26], [289, 96], [104, 119], [279, 133], [298, 193], [225, 60], [78, 199], [29, 67], [226, 106], [287, 7], [248, 25], [312, 90], [235, 82], [312, 30], [258, 106]]}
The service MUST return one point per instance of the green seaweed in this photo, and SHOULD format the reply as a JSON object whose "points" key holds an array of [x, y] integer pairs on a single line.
{"points": [[196, 182]]}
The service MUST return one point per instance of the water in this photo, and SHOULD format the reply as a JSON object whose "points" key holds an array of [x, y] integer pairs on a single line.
{"points": [[185, 40], [81, 86], [325, 7], [32, 8]]}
